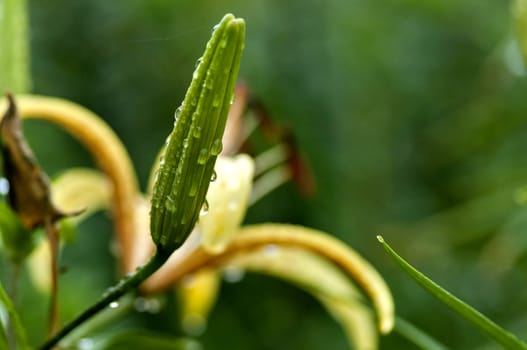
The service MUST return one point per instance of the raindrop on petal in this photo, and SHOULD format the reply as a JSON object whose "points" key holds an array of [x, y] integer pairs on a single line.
{"points": [[204, 208], [85, 344], [233, 274], [4, 186]]}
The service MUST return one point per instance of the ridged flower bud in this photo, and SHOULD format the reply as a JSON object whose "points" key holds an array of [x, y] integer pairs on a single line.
{"points": [[191, 149]]}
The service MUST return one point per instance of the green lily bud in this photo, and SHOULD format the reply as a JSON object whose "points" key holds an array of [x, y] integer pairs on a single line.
{"points": [[191, 149]]}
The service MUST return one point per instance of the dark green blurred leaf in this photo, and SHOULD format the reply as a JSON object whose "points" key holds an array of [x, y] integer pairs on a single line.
{"points": [[417, 336], [140, 340], [14, 47], [17, 241], [18, 329]]}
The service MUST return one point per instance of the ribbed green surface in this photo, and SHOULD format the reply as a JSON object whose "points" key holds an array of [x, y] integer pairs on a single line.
{"points": [[192, 147], [14, 48]]}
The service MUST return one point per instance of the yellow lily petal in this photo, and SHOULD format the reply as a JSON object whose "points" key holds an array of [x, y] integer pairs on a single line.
{"points": [[350, 261], [197, 294], [81, 189], [38, 266], [227, 199], [301, 267], [356, 319], [323, 280], [258, 236], [74, 190]]}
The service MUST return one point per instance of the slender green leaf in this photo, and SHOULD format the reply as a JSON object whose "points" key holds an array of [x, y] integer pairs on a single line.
{"points": [[14, 48], [520, 16], [416, 335], [487, 326], [3, 339], [20, 333], [140, 339]]}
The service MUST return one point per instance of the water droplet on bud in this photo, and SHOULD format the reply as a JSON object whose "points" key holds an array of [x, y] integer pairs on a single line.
{"points": [[216, 101], [197, 132], [233, 274], [216, 147], [198, 62], [204, 208], [85, 344], [203, 156], [170, 204]]}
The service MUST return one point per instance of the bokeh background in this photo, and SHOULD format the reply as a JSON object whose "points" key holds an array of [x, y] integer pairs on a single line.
{"points": [[411, 114]]}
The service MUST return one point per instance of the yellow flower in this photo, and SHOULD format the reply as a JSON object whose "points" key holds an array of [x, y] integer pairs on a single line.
{"points": [[331, 271]]}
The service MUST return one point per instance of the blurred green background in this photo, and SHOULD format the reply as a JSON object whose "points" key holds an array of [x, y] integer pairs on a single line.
{"points": [[411, 114]]}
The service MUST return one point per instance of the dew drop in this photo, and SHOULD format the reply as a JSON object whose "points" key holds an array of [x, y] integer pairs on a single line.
{"points": [[231, 101], [141, 304], [232, 206], [223, 43], [233, 274], [271, 250], [216, 101], [209, 83], [4, 186], [214, 176], [167, 141], [204, 208], [85, 344], [170, 204], [198, 62], [203, 156], [114, 305], [197, 132], [150, 305], [177, 114], [193, 189], [216, 147]]}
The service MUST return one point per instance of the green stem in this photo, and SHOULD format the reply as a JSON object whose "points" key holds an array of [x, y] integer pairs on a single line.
{"points": [[126, 284]]}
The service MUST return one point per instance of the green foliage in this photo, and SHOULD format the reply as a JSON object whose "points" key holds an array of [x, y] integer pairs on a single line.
{"points": [[17, 241], [140, 339], [491, 329], [13, 322], [14, 46]]}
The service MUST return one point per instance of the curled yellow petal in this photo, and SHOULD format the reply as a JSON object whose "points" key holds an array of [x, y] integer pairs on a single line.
{"points": [[356, 319], [81, 189], [104, 146], [197, 295], [227, 199], [258, 236], [325, 281], [38, 267], [303, 268], [362, 272]]}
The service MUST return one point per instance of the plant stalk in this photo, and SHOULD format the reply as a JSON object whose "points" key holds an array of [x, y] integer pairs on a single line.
{"points": [[126, 284]]}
